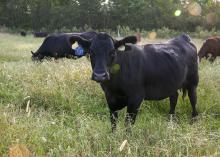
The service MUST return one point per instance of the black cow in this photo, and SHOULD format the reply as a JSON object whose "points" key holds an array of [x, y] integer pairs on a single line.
{"points": [[40, 34], [59, 46], [150, 72], [23, 33]]}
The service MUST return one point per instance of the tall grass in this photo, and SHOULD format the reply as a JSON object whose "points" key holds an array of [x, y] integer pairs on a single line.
{"points": [[56, 110]]}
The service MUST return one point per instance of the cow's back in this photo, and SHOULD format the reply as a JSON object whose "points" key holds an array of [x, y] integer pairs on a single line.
{"points": [[56, 44], [212, 44], [59, 44], [158, 70], [166, 70]]}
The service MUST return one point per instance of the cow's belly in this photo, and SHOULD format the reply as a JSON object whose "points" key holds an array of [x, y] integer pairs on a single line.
{"points": [[161, 91], [164, 84], [157, 95]]}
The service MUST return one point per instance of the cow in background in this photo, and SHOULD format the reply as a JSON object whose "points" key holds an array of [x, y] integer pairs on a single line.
{"points": [[59, 46], [23, 33], [40, 34], [210, 48]]}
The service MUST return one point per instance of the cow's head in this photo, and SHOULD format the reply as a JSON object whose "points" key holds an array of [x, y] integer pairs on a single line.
{"points": [[36, 56], [202, 55], [203, 52], [102, 50]]}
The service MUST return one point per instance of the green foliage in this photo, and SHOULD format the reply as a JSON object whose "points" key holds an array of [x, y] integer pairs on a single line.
{"points": [[165, 32], [203, 33], [51, 15]]}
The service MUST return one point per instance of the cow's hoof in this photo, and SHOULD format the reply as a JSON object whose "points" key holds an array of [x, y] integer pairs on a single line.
{"points": [[194, 118], [128, 131], [113, 130], [194, 114], [172, 118]]}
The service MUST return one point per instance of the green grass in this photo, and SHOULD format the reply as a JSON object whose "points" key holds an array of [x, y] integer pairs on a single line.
{"points": [[68, 115]]}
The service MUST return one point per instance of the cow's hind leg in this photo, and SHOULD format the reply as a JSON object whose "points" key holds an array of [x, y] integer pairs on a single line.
{"points": [[193, 100], [173, 102]]}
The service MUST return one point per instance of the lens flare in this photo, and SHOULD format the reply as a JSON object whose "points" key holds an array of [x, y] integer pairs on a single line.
{"points": [[152, 35], [211, 19], [194, 9], [177, 12], [218, 3]]}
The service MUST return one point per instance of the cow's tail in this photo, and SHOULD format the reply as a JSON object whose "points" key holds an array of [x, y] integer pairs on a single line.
{"points": [[184, 92]]}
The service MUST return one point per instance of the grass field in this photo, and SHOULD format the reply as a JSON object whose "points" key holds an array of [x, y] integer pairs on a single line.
{"points": [[54, 109]]}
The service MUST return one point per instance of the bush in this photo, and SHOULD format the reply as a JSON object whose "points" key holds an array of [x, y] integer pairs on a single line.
{"points": [[200, 32], [122, 31], [165, 32]]}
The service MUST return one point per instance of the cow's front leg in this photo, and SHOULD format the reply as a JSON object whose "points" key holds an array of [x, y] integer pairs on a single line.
{"points": [[193, 100], [132, 110], [114, 104], [114, 119]]}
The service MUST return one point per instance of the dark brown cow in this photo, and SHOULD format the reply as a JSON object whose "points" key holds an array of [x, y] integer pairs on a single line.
{"points": [[210, 46]]}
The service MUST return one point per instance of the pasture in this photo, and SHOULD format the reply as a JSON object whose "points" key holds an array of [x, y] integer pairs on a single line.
{"points": [[54, 109]]}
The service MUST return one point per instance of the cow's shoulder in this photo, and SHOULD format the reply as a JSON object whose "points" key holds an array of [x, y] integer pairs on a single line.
{"points": [[51, 37], [212, 39], [131, 51], [151, 47], [133, 47], [210, 42]]}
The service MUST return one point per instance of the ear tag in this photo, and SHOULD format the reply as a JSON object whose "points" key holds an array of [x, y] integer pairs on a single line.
{"points": [[79, 51]]}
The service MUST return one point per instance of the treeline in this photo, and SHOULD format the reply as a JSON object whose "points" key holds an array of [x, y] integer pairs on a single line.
{"points": [[51, 15]]}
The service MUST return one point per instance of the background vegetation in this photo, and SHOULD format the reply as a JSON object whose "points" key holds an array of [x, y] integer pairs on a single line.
{"points": [[79, 15], [54, 109]]}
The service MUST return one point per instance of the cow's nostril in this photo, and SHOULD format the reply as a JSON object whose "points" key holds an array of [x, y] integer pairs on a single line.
{"points": [[99, 77]]}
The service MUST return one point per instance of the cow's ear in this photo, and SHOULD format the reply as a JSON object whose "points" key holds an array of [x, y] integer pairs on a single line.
{"points": [[128, 39], [83, 42], [32, 52]]}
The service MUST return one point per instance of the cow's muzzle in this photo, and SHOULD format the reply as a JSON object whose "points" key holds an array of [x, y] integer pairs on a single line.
{"points": [[100, 77]]}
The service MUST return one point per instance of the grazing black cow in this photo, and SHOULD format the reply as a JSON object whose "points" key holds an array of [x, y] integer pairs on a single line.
{"points": [[40, 34], [23, 33], [150, 72], [59, 46]]}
